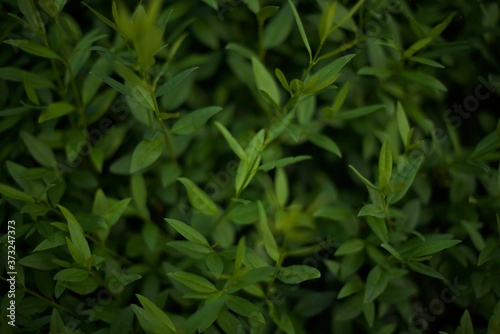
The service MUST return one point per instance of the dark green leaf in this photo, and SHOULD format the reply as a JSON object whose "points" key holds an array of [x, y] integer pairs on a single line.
{"points": [[376, 282], [193, 282], [194, 121], [188, 232], [145, 154], [298, 273], [431, 247], [424, 269]]}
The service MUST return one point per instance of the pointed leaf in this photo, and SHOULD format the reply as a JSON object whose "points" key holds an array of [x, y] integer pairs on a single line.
{"points": [[268, 238], [33, 48], [194, 121], [424, 269], [376, 282], [297, 273], [198, 198], [235, 146], [193, 282], [145, 154], [301, 29], [265, 81], [188, 232]]}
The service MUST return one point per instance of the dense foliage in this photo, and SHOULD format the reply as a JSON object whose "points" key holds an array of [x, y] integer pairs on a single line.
{"points": [[255, 166]]}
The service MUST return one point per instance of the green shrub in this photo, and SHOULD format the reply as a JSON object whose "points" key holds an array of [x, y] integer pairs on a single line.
{"points": [[250, 166]]}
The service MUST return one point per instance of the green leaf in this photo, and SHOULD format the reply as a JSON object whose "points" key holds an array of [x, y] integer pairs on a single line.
{"points": [[118, 86], [281, 187], [359, 112], [33, 48], [437, 30], [40, 261], [325, 143], [416, 27], [465, 326], [253, 5], [212, 3], [338, 102], [245, 308], [350, 247], [403, 125], [145, 154], [369, 312], [376, 282], [246, 169], [265, 81], [198, 198], [363, 179], [424, 269], [72, 275], [102, 17], [297, 273], [30, 89], [162, 321], [371, 210], [392, 250], [57, 324], [235, 146], [301, 29], [385, 164], [475, 236], [282, 79], [113, 214], [191, 249], [266, 13], [494, 322], [424, 79], [487, 253], [406, 175], [139, 193], [188, 232], [426, 61], [379, 227], [351, 287], [415, 47], [278, 28], [15, 194], [173, 82], [215, 264], [193, 282], [240, 254], [54, 240], [194, 121], [283, 162], [329, 73], [81, 247], [431, 247], [40, 151], [268, 238], [326, 20], [205, 316]]}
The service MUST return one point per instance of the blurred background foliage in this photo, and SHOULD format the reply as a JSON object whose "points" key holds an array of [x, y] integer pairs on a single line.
{"points": [[393, 198]]}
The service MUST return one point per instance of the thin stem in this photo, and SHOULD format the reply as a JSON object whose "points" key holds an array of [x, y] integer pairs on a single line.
{"points": [[79, 102], [164, 130], [49, 301]]}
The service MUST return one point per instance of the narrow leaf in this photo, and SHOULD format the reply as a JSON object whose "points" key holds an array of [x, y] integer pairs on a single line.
{"points": [[268, 238], [376, 283], [193, 282], [194, 121], [301, 29], [188, 232], [198, 198]]}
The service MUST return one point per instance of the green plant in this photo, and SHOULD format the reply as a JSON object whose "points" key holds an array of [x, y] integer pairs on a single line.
{"points": [[250, 167]]}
